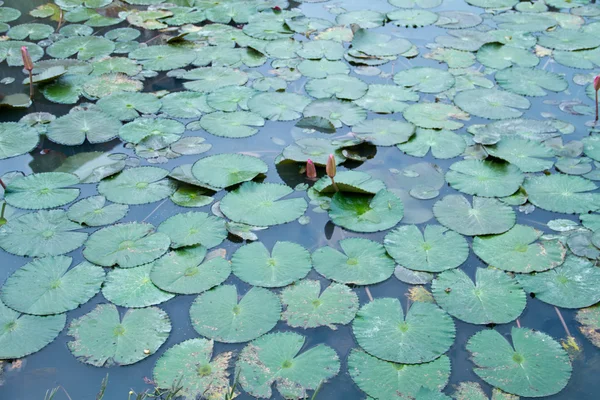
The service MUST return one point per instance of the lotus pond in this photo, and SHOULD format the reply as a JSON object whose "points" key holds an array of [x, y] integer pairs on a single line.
{"points": [[159, 225]]}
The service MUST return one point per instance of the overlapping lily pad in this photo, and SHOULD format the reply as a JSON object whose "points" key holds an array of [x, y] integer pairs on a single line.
{"points": [[42, 190], [16, 139], [93, 211], [139, 185], [484, 178], [562, 193], [224, 170], [74, 128], [363, 213], [132, 287], [194, 228], [491, 103]]}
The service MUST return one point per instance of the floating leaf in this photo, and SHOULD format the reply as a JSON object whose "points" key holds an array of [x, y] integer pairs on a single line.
{"points": [[194, 228], [317, 149], [42, 190], [362, 213], [435, 116], [224, 170], [336, 111], [278, 106], [33, 30], [589, 318], [74, 128], [386, 98], [286, 263], [350, 182], [425, 79], [491, 103], [237, 124], [219, 315], [322, 68], [85, 47], [568, 39], [485, 178], [341, 86], [92, 211], [129, 106], [363, 18], [163, 58], [16, 139], [185, 105], [530, 81], [102, 338], [139, 185], [93, 166], [384, 132], [500, 56], [11, 52], [210, 79], [412, 18], [378, 44], [528, 155], [443, 144], [132, 287], [562, 193]]}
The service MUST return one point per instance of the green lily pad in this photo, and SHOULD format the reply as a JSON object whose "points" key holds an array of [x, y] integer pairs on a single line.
{"points": [[519, 251], [276, 359], [191, 196], [336, 111], [189, 364], [237, 124], [262, 204], [412, 277], [569, 40], [229, 98], [527, 155], [584, 59], [485, 178], [589, 318], [486, 216], [350, 182], [499, 56], [22, 335], [386, 99], [66, 90], [209, 79], [224, 170], [125, 245], [286, 263], [494, 298], [194, 228], [412, 18], [138, 185], [116, 65], [381, 328], [162, 58], [454, 58], [32, 30], [183, 271], [435, 250], [185, 105], [360, 213], [93, 211], [102, 338], [16, 139], [378, 44], [157, 133], [219, 315], [11, 52], [385, 380], [42, 190], [425, 79], [443, 144], [132, 287], [86, 47], [574, 284], [530, 81], [129, 106], [74, 128], [363, 18], [535, 365], [363, 262], [318, 49], [491, 103], [562, 193], [50, 287], [384, 132], [464, 39], [341, 86], [435, 116], [8, 14], [322, 68], [308, 307], [276, 106], [93, 166], [316, 149]]}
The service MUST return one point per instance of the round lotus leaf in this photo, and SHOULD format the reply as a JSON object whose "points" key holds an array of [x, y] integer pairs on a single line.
{"points": [[363, 262], [276, 359], [116, 65], [349, 182], [518, 251], [336, 111], [133, 287], [229, 98], [209, 79], [569, 40], [85, 47], [341, 86], [138, 185], [267, 30], [412, 277], [378, 44], [435, 115], [262, 204], [527, 155], [384, 132], [93, 166], [435, 250], [385, 99], [237, 124], [184, 271], [464, 39], [454, 58], [102, 338], [584, 59], [485, 178], [74, 128], [11, 52], [562, 193], [16, 139], [66, 90], [361, 213], [318, 49], [283, 48], [535, 365], [412, 18], [581, 244], [126, 245], [33, 31], [46, 286], [163, 58], [22, 335], [491, 103], [219, 315], [443, 144], [191, 196], [128, 106], [425, 79], [122, 34], [574, 284], [42, 190], [317, 149], [499, 56], [157, 133], [185, 105], [522, 128], [286, 263], [363, 18], [194, 228], [425, 334], [278, 106], [486, 216], [591, 147], [322, 68], [589, 318], [385, 380], [495, 297], [224, 170], [189, 365], [530, 81], [308, 307], [8, 14], [93, 211], [302, 24]]}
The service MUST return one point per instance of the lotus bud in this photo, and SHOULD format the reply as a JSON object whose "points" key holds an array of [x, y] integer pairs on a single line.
{"points": [[311, 170], [596, 88], [330, 167], [26, 59]]}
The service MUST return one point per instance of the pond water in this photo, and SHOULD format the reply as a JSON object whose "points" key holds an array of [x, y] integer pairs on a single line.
{"points": [[54, 365]]}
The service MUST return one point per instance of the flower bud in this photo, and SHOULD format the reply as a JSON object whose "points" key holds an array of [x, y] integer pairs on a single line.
{"points": [[597, 83], [26, 59], [330, 167], [311, 170]]}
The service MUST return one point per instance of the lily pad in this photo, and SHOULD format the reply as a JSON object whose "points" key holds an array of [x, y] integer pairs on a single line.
{"points": [[224, 170], [129, 106], [32, 30], [209, 79], [435, 116], [42, 190], [378, 44], [93, 211], [360, 213], [102, 338], [157, 133], [237, 124], [425, 79], [126, 245], [336, 111], [491, 103], [500, 56], [341, 86], [86, 47], [132, 287], [276, 106], [384, 132], [530, 81], [316, 149], [381, 328], [527, 155], [562, 193], [494, 298], [386, 99], [219, 315], [485, 178], [443, 144], [589, 318], [138, 185], [569, 40], [350, 182], [194, 228], [435, 250], [286, 263], [162, 58], [74, 128], [16, 139], [363, 262], [185, 105]]}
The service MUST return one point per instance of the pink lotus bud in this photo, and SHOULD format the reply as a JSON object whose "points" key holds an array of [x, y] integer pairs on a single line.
{"points": [[26, 59], [311, 170], [597, 83], [330, 167], [276, 8]]}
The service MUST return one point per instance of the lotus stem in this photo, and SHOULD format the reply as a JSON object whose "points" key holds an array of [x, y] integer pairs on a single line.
{"points": [[562, 320], [2, 184], [60, 20], [30, 85], [518, 323]]}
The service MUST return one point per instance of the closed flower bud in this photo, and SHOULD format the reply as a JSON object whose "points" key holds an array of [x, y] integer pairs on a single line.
{"points": [[330, 168], [597, 83], [311, 170], [26, 59]]}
